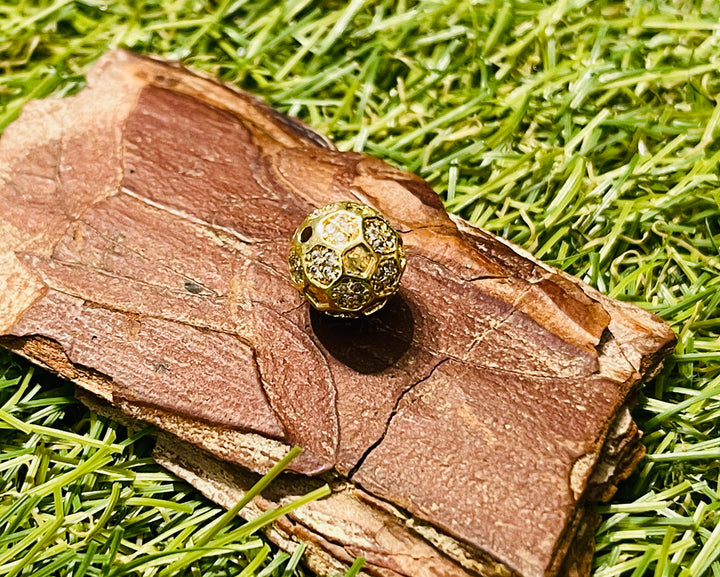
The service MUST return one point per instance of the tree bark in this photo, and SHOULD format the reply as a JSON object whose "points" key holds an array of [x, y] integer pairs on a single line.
{"points": [[143, 241]]}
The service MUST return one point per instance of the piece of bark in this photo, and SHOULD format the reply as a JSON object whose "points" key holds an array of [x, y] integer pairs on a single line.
{"points": [[143, 243]]}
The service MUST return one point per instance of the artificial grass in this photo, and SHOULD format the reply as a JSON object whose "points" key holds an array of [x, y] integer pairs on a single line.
{"points": [[585, 131]]}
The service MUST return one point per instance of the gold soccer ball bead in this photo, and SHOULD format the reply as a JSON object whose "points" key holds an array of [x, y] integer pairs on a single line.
{"points": [[346, 260]]}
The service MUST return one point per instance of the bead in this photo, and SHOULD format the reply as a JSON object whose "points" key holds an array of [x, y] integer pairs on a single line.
{"points": [[346, 259]]}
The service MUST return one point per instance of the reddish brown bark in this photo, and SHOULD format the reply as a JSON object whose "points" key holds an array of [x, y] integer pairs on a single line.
{"points": [[143, 242]]}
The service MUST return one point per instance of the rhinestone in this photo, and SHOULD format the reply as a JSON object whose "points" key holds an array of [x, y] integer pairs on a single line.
{"points": [[351, 294], [386, 276], [340, 228], [379, 235], [322, 265], [296, 269]]}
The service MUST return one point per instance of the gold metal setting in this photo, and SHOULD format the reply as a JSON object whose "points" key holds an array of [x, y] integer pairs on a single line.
{"points": [[346, 259]]}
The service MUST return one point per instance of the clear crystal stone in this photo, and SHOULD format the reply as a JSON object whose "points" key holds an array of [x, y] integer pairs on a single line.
{"points": [[386, 276], [340, 228], [296, 269], [379, 235], [322, 265], [351, 294]]}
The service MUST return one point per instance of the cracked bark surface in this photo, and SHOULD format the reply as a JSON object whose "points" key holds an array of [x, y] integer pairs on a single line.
{"points": [[143, 248]]}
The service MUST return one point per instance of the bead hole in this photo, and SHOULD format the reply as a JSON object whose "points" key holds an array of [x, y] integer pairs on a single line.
{"points": [[306, 234]]}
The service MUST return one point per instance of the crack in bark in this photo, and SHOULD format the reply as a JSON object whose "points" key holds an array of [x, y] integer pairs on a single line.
{"points": [[480, 338], [126, 312], [448, 273], [273, 410], [139, 254], [186, 217], [181, 294], [110, 275], [402, 395]]}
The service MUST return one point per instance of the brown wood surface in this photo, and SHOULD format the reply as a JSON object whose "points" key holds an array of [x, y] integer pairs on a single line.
{"points": [[144, 232]]}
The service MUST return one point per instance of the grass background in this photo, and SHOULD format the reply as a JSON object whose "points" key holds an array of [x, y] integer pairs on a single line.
{"points": [[585, 131]]}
